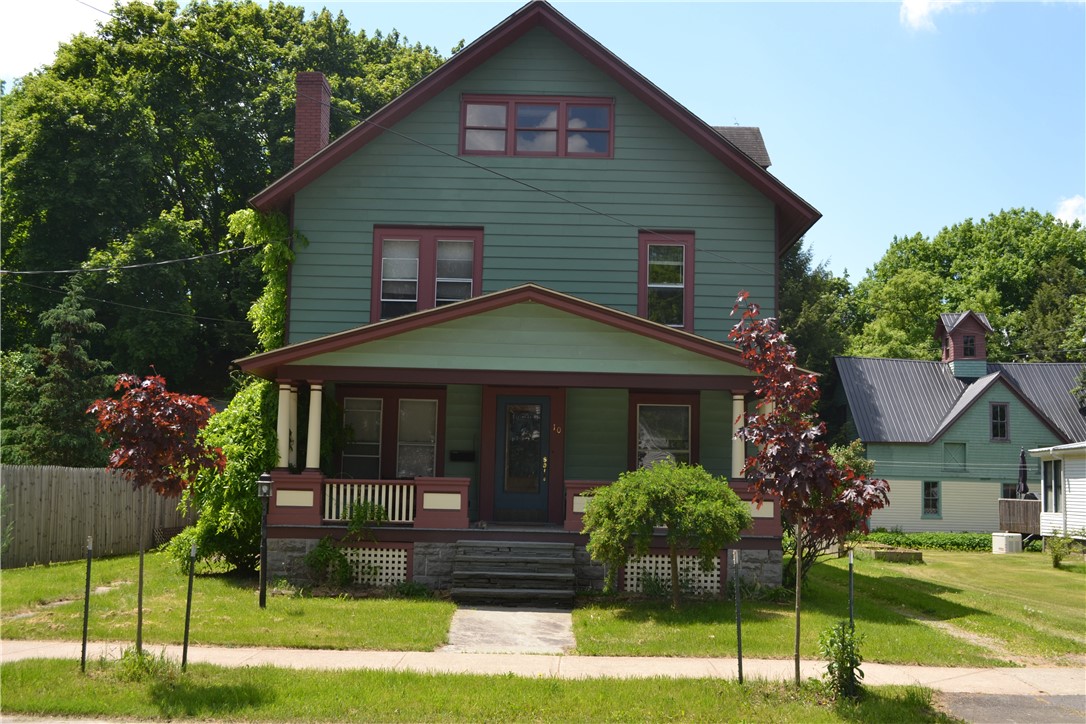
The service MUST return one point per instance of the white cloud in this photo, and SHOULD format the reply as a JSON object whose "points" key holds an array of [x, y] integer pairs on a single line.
{"points": [[919, 14], [1072, 209]]}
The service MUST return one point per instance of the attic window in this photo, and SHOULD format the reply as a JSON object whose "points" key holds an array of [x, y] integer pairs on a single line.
{"points": [[969, 346], [537, 126]]}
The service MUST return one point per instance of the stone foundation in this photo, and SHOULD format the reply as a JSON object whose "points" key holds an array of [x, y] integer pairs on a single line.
{"points": [[432, 565]]}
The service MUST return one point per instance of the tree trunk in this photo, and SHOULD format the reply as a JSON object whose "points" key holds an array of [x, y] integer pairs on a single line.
{"points": [[139, 587], [799, 584], [674, 577]]}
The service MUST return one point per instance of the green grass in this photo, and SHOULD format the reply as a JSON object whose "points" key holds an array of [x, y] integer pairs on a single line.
{"points": [[269, 695], [46, 602], [1020, 605]]}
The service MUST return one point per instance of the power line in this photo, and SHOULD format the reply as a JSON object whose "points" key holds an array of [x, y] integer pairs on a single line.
{"points": [[144, 309], [164, 262]]}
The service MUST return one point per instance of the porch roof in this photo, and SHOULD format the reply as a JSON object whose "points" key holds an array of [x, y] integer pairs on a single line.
{"points": [[502, 336]]}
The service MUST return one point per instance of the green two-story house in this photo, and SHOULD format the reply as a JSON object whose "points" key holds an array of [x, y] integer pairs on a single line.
{"points": [[516, 285], [950, 436]]}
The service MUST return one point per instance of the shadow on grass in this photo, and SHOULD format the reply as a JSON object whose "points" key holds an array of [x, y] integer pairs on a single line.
{"points": [[881, 598], [888, 704], [189, 699]]}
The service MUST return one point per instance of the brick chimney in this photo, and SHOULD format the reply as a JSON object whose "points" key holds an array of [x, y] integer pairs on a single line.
{"points": [[311, 114]]}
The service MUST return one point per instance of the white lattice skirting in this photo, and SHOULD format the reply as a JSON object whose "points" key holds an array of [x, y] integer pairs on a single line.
{"points": [[691, 575], [380, 567]]}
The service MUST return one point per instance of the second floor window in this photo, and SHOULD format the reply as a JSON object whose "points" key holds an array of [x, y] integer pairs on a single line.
{"points": [[416, 269], [666, 268], [537, 126], [1000, 428]]}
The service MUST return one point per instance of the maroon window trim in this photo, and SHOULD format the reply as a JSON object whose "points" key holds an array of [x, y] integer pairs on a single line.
{"points": [[688, 399], [563, 104], [427, 273], [390, 419], [685, 239]]}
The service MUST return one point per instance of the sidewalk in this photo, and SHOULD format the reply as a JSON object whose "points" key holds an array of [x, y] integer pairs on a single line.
{"points": [[1004, 681]]}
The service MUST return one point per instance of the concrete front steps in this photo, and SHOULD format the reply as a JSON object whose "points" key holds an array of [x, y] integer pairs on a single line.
{"points": [[513, 573]]}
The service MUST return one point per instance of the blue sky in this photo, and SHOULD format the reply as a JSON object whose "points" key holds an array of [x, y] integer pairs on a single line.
{"points": [[890, 118]]}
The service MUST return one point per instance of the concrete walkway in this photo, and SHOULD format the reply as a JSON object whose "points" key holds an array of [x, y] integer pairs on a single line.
{"points": [[1007, 682]]}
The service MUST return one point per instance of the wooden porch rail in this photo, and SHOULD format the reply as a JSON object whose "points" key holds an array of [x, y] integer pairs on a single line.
{"points": [[1020, 516], [397, 498]]}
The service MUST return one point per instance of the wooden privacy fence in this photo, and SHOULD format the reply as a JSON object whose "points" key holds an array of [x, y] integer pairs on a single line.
{"points": [[46, 514]]}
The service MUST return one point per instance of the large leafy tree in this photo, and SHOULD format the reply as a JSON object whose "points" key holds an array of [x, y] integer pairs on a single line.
{"points": [[136, 144], [1012, 266], [156, 441], [698, 511], [818, 500], [46, 391]]}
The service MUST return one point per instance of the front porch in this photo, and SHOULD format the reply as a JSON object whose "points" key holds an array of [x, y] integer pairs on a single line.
{"points": [[428, 518]]}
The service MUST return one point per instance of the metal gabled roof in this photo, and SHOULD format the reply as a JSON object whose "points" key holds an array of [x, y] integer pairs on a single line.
{"points": [[916, 401], [1048, 385], [898, 400]]}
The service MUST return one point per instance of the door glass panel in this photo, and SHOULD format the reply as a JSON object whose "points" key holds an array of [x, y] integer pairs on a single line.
{"points": [[416, 445], [362, 451], [523, 448]]}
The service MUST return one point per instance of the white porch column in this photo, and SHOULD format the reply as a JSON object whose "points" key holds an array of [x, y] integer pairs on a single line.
{"points": [[282, 426], [293, 456], [313, 444], [739, 448]]}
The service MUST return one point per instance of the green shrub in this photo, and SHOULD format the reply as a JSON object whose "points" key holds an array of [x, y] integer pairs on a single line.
{"points": [[328, 564], [932, 541], [1059, 547], [840, 646]]}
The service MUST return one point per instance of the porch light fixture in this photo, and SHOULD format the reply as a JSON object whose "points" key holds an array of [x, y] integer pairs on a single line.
{"points": [[264, 492]]}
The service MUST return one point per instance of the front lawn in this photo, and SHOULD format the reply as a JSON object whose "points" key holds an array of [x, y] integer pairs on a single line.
{"points": [[265, 694]]}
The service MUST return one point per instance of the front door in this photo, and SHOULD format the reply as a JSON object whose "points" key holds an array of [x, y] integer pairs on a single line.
{"points": [[523, 452]]}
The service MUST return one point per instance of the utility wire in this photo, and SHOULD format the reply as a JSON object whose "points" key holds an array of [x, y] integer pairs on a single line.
{"points": [[164, 262]]}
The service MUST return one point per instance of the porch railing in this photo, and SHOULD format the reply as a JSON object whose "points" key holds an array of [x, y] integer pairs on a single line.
{"points": [[398, 499]]}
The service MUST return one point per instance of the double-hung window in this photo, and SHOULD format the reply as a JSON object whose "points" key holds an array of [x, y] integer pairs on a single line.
{"points": [[1000, 424], [665, 291], [416, 269], [537, 126], [932, 500], [392, 433]]}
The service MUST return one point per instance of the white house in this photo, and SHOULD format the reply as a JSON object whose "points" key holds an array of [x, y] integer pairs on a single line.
{"points": [[1063, 489]]}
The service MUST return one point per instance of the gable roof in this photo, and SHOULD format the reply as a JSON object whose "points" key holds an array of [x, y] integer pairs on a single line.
{"points": [[917, 401], [795, 216], [949, 321], [266, 364]]}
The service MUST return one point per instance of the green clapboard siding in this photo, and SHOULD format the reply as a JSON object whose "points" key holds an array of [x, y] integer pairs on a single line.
{"points": [[523, 337], [463, 420], [658, 179], [597, 434], [969, 493], [716, 432]]}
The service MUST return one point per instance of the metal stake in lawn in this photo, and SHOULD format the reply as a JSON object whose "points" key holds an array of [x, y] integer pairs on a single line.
{"points": [[737, 558], [851, 621], [264, 491], [86, 608], [188, 608]]}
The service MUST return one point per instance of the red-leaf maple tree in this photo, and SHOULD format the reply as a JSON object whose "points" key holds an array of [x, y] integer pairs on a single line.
{"points": [[155, 436], [818, 500]]}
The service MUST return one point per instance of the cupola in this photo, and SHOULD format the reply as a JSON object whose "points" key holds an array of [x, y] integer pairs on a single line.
{"points": [[965, 348]]}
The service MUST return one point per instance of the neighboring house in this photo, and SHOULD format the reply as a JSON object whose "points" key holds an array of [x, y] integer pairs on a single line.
{"points": [[948, 435], [516, 286], [1063, 489]]}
